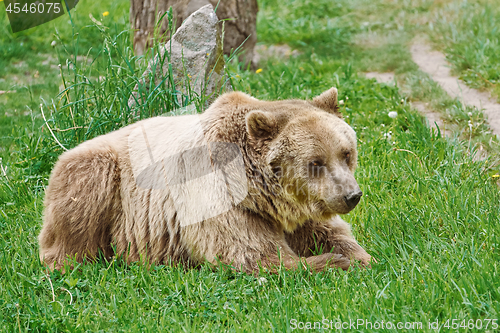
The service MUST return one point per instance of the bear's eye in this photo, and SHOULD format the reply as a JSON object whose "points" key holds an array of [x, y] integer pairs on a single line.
{"points": [[347, 157], [317, 168], [317, 163]]}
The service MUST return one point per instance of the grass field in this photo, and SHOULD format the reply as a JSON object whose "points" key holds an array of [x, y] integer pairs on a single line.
{"points": [[430, 214]]}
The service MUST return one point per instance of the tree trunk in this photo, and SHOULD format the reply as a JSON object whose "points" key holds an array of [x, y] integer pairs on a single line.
{"points": [[143, 17], [242, 15]]}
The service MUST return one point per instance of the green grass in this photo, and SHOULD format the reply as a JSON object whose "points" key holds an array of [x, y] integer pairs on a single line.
{"points": [[469, 34], [430, 214], [28, 62]]}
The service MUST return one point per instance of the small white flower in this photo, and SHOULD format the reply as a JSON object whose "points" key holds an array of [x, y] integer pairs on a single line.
{"points": [[402, 101], [346, 98], [53, 44], [393, 114], [261, 280], [388, 136], [341, 102], [469, 114], [383, 125]]}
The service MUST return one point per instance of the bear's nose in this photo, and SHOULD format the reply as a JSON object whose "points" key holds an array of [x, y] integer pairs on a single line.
{"points": [[353, 198]]}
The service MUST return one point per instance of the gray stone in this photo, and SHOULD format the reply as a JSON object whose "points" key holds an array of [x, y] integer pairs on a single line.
{"points": [[196, 54]]}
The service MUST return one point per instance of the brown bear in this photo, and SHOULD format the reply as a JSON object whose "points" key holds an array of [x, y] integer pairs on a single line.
{"points": [[248, 183]]}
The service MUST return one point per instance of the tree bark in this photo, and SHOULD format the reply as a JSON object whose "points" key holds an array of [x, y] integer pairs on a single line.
{"points": [[143, 17], [239, 27]]}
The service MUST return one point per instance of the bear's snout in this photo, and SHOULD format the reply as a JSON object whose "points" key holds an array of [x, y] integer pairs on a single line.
{"points": [[352, 199]]}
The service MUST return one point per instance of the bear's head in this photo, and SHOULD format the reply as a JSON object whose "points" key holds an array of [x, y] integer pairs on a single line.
{"points": [[308, 156]]}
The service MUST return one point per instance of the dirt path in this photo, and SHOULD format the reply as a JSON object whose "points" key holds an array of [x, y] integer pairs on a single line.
{"points": [[433, 117], [434, 63]]}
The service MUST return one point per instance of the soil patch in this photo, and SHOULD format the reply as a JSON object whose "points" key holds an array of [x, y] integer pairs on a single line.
{"points": [[433, 117], [381, 77], [263, 52]]}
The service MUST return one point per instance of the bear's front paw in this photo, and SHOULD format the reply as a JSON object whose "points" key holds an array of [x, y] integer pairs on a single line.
{"points": [[363, 258], [336, 260]]}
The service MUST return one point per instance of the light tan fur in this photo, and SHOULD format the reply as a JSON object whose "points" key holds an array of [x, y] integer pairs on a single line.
{"points": [[299, 160]]}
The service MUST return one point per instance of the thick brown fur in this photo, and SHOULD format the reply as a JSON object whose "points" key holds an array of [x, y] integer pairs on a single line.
{"points": [[299, 159]]}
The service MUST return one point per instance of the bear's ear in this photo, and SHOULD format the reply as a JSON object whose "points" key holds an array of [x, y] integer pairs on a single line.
{"points": [[327, 101], [260, 124]]}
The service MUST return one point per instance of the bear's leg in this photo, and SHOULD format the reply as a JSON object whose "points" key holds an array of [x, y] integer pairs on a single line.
{"points": [[82, 203], [283, 256], [250, 261], [333, 236], [244, 241], [317, 263]]}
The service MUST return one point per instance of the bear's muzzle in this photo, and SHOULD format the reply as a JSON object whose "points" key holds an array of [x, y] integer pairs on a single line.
{"points": [[352, 199]]}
